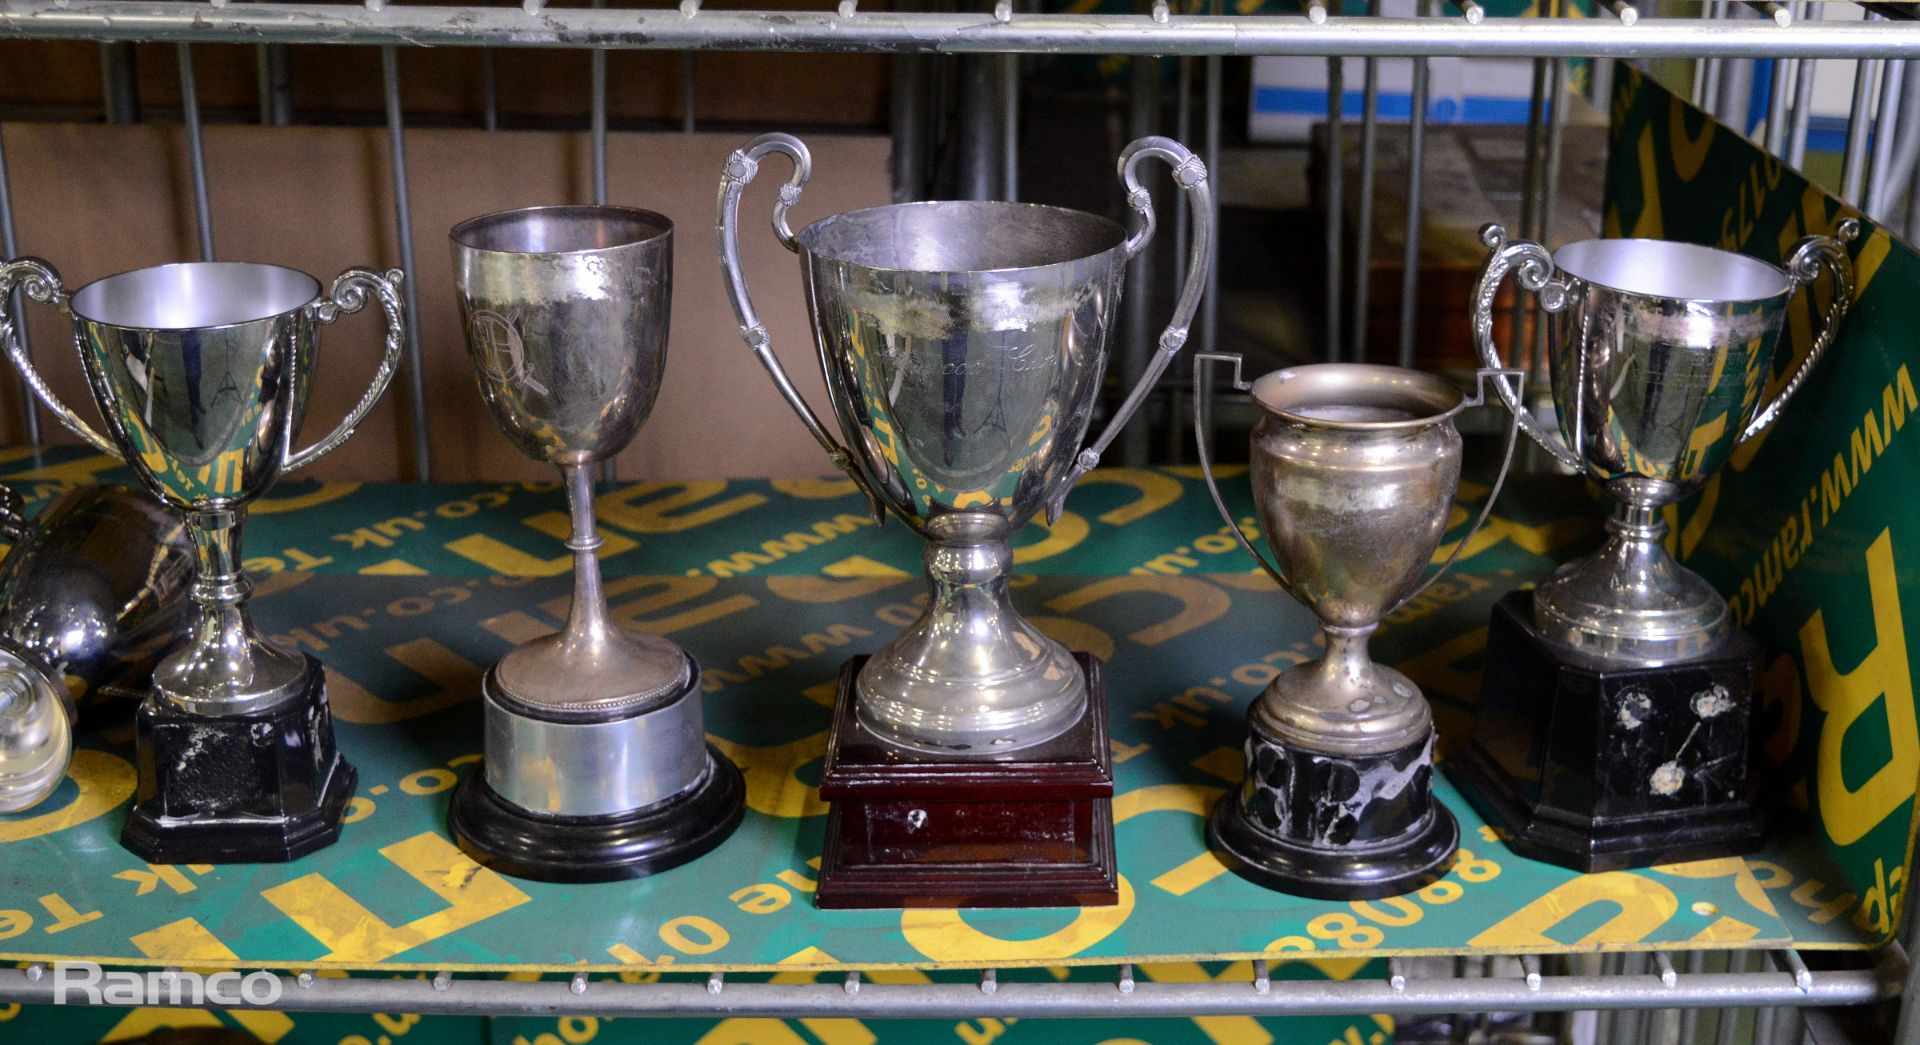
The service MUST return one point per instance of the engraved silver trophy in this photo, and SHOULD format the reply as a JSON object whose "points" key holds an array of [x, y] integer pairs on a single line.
{"points": [[91, 593], [201, 372], [1354, 469], [597, 765], [1660, 354], [963, 345]]}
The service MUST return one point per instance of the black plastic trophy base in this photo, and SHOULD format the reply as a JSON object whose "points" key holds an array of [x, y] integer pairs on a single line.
{"points": [[1601, 768], [1333, 826], [504, 837], [264, 787], [1031, 828]]}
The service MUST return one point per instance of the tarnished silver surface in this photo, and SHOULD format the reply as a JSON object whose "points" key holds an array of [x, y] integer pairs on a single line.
{"points": [[963, 345], [594, 768], [566, 312], [90, 595], [1354, 468], [1660, 354], [201, 371]]}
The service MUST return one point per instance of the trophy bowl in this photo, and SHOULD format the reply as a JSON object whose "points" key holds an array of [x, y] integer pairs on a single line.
{"points": [[91, 593], [1354, 468], [963, 345], [201, 372], [597, 766]]}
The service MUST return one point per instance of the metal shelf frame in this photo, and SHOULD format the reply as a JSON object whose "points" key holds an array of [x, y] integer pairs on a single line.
{"points": [[1626, 989]]}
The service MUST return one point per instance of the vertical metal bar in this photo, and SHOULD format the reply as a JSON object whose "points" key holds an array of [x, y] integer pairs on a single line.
{"points": [[10, 245], [1550, 183], [1416, 158], [1529, 200], [979, 137], [1143, 119], [687, 92], [1363, 212], [1210, 305], [119, 88], [1692, 965], [1880, 183], [1776, 139], [276, 85], [1010, 127], [1336, 199], [196, 153], [1182, 131], [403, 221], [1853, 166], [489, 90], [909, 123], [1802, 96], [1708, 83]]}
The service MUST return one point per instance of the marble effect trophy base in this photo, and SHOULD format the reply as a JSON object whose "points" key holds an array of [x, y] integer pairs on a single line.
{"points": [[504, 836], [1335, 826], [263, 787], [1031, 828], [1600, 768]]}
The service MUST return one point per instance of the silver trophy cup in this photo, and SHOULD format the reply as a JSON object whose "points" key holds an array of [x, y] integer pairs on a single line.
{"points": [[91, 593], [1354, 469], [597, 765], [1659, 354], [201, 372], [963, 346]]}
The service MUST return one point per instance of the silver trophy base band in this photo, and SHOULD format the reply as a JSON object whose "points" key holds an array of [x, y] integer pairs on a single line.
{"points": [[582, 767]]}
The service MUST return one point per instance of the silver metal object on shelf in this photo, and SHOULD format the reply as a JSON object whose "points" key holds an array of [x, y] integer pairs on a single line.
{"points": [[1354, 469], [91, 593], [1649, 342], [963, 345]]}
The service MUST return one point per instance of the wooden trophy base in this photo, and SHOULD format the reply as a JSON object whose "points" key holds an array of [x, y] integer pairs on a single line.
{"points": [[1030, 828]]}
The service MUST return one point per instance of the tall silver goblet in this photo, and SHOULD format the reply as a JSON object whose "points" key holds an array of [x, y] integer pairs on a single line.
{"points": [[597, 765], [91, 593], [963, 345], [1354, 469], [1612, 729], [201, 372]]}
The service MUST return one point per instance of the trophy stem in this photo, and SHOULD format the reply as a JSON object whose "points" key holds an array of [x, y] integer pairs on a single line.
{"points": [[587, 616], [225, 667], [1631, 602]]}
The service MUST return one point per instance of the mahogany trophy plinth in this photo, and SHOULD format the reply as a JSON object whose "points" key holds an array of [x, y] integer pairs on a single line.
{"points": [[1029, 828]]}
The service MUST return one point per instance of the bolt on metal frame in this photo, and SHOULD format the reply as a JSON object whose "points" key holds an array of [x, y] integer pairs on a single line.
{"points": [[1623, 995]]}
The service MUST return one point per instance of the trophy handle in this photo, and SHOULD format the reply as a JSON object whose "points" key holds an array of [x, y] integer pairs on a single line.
{"points": [[1532, 268], [349, 295], [742, 164], [41, 283], [1803, 267], [1508, 396], [1191, 175], [1202, 429]]}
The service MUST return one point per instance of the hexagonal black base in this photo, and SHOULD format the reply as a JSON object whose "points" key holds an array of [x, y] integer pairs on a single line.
{"points": [[513, 841], [1335, 827], [258, 788], [1602, 768]]}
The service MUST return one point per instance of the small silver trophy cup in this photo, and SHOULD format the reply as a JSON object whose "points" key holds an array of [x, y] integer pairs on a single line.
{"points": [[201, 372], [597, 766], [963, 345], [1354, 469], [91, 593], [1659, 354]]}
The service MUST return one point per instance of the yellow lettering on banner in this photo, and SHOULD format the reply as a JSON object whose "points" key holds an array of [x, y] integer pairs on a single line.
{"points": [[503, 558], [455, 679], [1065, 533], [1725, 930], [189, 941], [670, 591], [1645, 905], [662, 515], [773, 786], [755, 1031], [1688, 153], [1880, 678], [77, 472], [1075, 634], [807, 588], [1200, 603], [157, 875], [1196, 799], [839, 1031], [1745, 882], [517, 626], [1156, 492], [1437, 671], [815, 489], [943, 935], [393, 568], [1648, 225], [64, 915], [353, 933], [861, 566], [325, 493], [1222, 1030], [104, 781]]}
